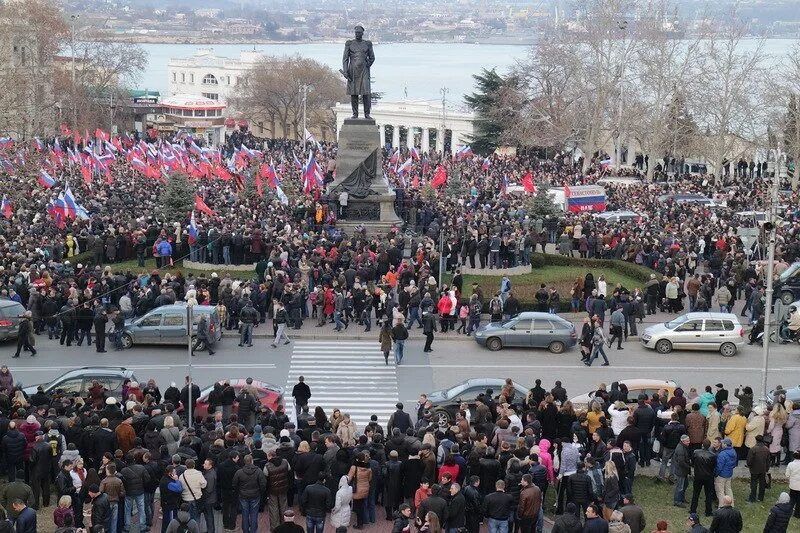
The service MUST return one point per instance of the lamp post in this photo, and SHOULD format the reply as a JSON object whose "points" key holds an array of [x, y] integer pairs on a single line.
{"points": [[623, 26], [771, 226], [73, 20], [189, 320], [304, 92]]}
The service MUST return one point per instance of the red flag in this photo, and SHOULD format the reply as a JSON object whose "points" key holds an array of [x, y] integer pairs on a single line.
{"points": [[567, 191], [87, 175], [527, 182], [222, 173], [415, 182], [259, 186], [201, 206], [65, 130], [439, 177]]}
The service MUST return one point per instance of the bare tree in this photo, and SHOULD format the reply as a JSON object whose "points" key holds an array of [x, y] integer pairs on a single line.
{"points": [[784, 93], [665, 73], [728, 97], [273, 89]]}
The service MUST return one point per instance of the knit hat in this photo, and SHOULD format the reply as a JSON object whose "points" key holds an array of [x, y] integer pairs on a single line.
{"points": [[285, 433], [783, 498], [31, 419], [695, 519], [727, 442]]}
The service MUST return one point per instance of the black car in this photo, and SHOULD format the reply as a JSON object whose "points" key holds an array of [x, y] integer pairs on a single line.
{"points": [[10, 313], [446, 402]]}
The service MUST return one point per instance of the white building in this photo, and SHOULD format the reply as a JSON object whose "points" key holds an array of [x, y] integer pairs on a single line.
{"points": [[415, 123], [208, 75]]}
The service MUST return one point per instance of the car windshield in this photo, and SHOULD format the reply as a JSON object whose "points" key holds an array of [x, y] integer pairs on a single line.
{"points": [[455, 391], [789, 272], [510, 323], [677, 321]]}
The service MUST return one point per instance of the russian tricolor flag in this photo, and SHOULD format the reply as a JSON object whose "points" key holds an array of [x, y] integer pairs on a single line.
{"points": [[486, 164], [405, 167], [5, 208], [46, 180], [464, 151], [192, 230], [414, 153], [70, 205]]}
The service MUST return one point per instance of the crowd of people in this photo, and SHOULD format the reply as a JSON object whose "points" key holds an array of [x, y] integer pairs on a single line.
{"points": [[104, 462]]}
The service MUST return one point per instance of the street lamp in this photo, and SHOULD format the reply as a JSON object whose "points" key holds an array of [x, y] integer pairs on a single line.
{"points": [[622, 25], [771, 226], [73, 20]]}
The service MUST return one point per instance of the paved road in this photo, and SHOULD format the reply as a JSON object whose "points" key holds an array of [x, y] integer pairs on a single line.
{"points": [[346, 372]]}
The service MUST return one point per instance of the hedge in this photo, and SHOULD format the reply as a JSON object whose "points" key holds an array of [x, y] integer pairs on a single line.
{"points": [[632, 270]]}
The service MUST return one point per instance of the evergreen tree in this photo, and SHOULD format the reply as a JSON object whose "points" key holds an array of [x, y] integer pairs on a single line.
{"points": [[485, 102], [540, 204], [791, 139], [177, 198]]}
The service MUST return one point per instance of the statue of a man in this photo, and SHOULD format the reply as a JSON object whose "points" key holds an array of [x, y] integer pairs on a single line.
{"points": [[356, 62]]}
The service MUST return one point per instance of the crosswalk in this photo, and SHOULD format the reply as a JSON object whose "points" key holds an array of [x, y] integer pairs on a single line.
{"points": [[350, 376]]}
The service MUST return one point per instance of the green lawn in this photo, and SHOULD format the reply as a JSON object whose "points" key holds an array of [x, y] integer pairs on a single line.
{"points": [[150, 265], [562, 277]]}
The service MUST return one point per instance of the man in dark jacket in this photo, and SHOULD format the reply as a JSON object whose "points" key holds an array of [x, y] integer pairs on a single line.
{"points": [[301, 393], [632, 514], [103, 440], [40, 459], [473, 504], [682, 466], [727, 519], [758, 462], [670, 437], [497, 506], [100, 321], [704, 462], [456, 508], [568, 522], [225, 472], [185, 398], [434, 503], [209, 493], [644, 418], [594, 522], [399, 419], [101, 510], [579, 489], [530, 505], [26, 517], [134, 478], [13, 447], [249, 483], [315, 501], [779, 515]]}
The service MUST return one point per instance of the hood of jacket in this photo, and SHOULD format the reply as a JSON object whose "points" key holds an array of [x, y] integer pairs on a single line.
{"points": [[184, 517], [544, 445], [343, 482]]}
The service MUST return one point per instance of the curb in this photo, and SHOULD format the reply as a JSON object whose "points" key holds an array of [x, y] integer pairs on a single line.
{"points": [[333, 337]]}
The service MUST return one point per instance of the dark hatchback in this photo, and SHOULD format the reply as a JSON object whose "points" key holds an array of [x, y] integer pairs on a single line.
{"points": [[446, 402], [10, 313]]}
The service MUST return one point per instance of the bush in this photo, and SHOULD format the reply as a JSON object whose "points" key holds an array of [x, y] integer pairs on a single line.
{"points": [[538, 261], [632, 270]]}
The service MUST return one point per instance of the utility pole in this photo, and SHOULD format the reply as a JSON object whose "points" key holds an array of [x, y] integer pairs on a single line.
{"points": [[771, 226], [623, 26], [189, 320], [304, 91], [73, 20], [444, 91]]}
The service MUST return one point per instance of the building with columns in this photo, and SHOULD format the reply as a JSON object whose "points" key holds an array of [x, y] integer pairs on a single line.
{"points": [[416, 123], [208, 75]]}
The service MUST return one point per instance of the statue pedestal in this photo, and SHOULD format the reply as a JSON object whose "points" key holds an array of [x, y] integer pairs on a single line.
{"points": [[359, 172]]}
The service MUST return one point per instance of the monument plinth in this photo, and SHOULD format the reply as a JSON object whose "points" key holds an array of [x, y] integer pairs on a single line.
{"points": [[359, 171]]}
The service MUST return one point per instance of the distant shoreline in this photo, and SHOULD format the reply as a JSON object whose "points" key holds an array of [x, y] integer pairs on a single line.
{"points": [[159, 39]]}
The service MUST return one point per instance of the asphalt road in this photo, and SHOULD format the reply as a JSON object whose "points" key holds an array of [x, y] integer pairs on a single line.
{"points": [[349, 370]]}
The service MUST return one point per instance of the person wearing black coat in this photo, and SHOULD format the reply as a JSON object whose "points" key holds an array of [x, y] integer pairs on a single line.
{"points": [[644, 418], [194, 397], [411, 472], [489, 471], [779, 515], [726, 518], [315, 501], [579, 489], [64, 484], [225, 472], [456, 508], [435, 504], [392, 484], [13, 447], [568, 522], [307, 468], [41, 459], [101, 510], [104, 441], [100, 321], [473, 503]]}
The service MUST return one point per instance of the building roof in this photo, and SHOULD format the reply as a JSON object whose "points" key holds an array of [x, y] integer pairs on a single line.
{"points": [[191, 101]]}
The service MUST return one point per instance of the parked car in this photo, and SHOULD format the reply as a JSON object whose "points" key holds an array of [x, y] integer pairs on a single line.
{"points": [[269, 395], [787, 286], [530, 329], [635, 388], [621, 216], [167, 325], [697, 331], [446, 402], [10, 313], [80, 380]]}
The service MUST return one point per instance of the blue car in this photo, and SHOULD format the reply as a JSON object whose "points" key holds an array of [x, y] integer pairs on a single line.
{"points": [[529, 330]]}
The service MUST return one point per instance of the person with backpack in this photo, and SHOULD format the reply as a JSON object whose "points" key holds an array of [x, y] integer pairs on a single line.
{"points": [[183, 522], [496, 308], [475, 310], [399, 335]]}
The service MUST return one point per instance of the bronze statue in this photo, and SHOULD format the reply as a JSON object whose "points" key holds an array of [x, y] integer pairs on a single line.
{"points": [[356, 62]]}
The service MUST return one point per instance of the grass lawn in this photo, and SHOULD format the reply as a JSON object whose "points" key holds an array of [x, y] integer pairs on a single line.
{"points": [[526, 285], [656, 501], [150, 265]]}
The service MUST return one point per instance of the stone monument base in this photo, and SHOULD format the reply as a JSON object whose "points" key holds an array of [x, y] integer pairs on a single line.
{"points": [[359, 172]]}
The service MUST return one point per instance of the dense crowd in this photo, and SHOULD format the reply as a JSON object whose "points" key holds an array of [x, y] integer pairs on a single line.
{"points": [[98, 458]]}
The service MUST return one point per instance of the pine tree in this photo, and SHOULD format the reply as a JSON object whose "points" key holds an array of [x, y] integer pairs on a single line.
{"points": [[177, 198], [541, 204], [485, 101]]}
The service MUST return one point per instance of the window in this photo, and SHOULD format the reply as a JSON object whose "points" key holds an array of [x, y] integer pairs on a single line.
{"points": [[112, 383], [542, 324], [183, 77], [191, 78], [692, 325], [714, 325], [522, 325], [212, 96], [210, 79], [173, 320], [71, 385], [199, 112], [150, 321], [728, 325], [229, 80], [174, 77]]}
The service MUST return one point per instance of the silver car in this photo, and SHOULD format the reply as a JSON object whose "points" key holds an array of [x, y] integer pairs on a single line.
{"points": [[697, 331], [167, 325]]}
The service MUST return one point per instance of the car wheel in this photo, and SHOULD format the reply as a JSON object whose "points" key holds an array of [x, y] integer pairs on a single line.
{"points": [[663, 346], [728, 349], [201, 347], [441, 418], [787, 297], [494, 344], [127, 341], [556, 347]]}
